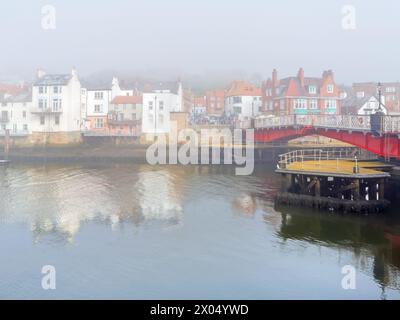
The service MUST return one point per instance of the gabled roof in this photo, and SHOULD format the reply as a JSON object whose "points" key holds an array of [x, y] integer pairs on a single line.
{"points": [[242, 88], [169, 86], [11, 89], [53, 80], [354, 101], [127, 100], [25, 96]]}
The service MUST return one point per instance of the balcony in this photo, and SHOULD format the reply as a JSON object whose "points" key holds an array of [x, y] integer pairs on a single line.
{"points": [[126, 122], [46, 111]]}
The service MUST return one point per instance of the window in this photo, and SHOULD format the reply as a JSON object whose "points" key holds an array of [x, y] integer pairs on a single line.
{"points": [[299, 103], [133, 116], [4, 115], [56, 104], [42, 120], [99, 123], [42, 90], [237, 99], [161, 119], [390, 89], [360, 94], [25, 126], [329, 88], [15, 128], [330, 104], [56, 90], [151, 118], [42, 104], [120, 116], [161, 105], [97, 108], [150, 105], [268, 92], [57, 119], [313, 104], [312, 89], [98, 95], [237, 110], [24, 114]]}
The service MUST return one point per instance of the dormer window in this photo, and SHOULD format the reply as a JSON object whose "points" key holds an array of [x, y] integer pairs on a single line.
{"points": [[360, 94], [312, 89]]}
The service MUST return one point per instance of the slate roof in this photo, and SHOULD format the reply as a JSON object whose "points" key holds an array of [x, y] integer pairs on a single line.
{"points": [[53, 80]]}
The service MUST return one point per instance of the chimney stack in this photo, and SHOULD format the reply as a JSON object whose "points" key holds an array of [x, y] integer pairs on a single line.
{"points": [[300, 76], [274, 78], [40, 73]]}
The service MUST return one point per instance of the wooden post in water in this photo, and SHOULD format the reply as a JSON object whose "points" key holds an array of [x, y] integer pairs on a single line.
{"points": [[356, 189], [381, 189]]}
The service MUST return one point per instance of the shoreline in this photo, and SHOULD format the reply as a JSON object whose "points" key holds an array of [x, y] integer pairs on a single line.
{"points": [[114, 153]]}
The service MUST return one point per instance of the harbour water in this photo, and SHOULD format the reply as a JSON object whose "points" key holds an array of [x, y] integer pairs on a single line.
{"points": [[182, 232]]}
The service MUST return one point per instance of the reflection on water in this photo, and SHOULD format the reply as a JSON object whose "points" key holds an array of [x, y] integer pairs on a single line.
{"points": [[216, 234]]}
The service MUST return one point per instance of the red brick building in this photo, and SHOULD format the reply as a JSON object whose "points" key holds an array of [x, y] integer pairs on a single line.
{"points": [[300, 94], [215, 102]]}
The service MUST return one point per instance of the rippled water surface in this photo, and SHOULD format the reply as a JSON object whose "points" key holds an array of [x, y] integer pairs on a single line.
{"points": [[175, 232]]}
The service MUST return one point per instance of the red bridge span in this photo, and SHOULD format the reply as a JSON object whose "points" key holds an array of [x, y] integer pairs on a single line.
{"points": [[379, 135]]}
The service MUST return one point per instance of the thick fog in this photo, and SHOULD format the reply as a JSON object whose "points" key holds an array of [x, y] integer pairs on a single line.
{"points": [[206, 39]]}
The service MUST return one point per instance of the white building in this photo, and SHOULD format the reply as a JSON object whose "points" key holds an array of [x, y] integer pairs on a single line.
{"points": [[116, 89], [15, 115], [97, 107], [243, 100], [362, 105], [158, 103], [56, 103]]}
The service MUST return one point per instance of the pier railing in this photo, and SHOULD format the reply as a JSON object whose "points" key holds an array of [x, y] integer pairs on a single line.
{"points": [[319, 158]]}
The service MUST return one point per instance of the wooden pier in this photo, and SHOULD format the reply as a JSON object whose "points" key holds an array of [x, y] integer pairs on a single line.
{"points": [[328, 180]]}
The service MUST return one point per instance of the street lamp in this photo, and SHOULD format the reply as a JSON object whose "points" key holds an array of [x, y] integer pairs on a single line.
{"points": [[155, 117]]}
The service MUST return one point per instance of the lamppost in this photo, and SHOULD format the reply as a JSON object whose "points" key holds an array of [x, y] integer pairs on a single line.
{"points": [[380, 96], [155, 117]]}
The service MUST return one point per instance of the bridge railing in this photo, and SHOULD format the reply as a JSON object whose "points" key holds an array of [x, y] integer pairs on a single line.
{"points": [[278, 121], [349, 122], [342, 121], [391, 124]]}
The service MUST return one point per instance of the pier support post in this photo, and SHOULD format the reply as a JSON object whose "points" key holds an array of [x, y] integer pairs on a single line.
{"points": [[356, 190]]}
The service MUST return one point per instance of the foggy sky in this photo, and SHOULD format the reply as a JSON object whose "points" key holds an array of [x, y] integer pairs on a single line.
{"points": [[203, 37]]}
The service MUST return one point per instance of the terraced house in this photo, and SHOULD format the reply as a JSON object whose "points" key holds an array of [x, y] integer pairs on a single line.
{"points": [[301, 95], [125, 115], [56, 114]]}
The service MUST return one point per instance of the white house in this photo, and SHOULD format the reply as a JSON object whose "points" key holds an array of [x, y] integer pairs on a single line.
{"points": [[243, 100], [365, 105], [15, 115], [97, 107], [56, 103], [116, 89], [158, 104]]}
